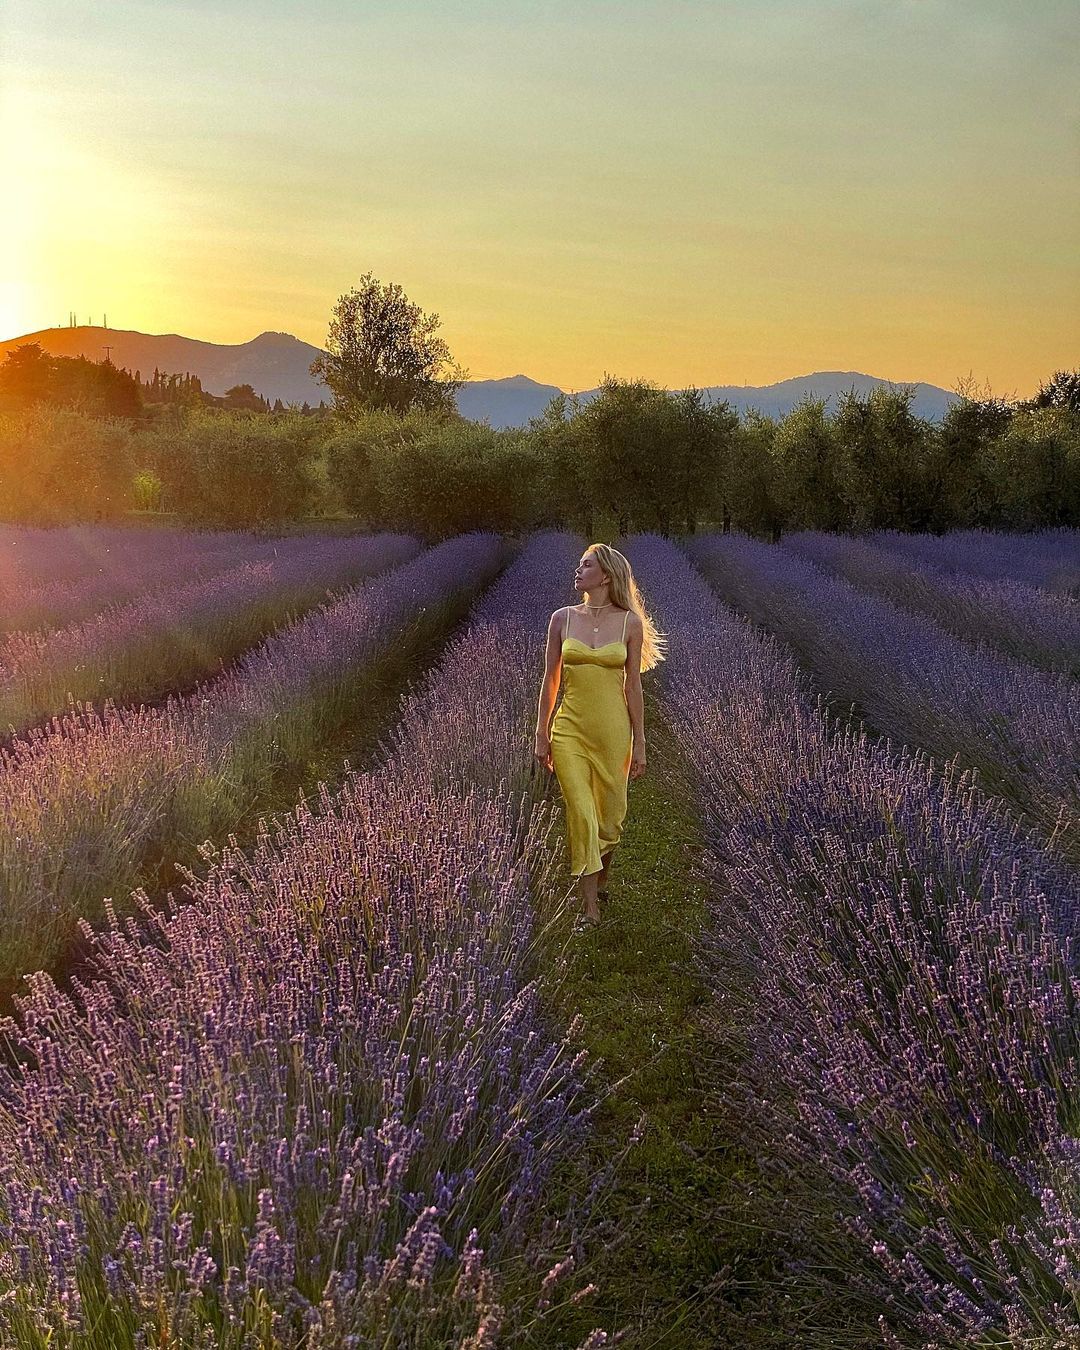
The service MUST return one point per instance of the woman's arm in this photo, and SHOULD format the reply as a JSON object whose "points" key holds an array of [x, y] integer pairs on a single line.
{"points": [[635, 702], [549, 689]]}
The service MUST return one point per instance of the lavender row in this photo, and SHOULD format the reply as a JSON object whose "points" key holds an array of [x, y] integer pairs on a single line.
{"points": [[49, 578], [93, 803], [914, 681], [899, 960], [1025, 622], [35, 556], [320, 1104], [1046, 558], [166, 641]]}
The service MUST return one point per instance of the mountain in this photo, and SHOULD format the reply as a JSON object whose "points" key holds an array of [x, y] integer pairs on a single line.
{"points": [[274, 364], [511, 402], [777, 399], [505, 403], [277, 365]]}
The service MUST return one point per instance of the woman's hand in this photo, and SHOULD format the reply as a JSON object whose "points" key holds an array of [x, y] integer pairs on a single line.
{"points": [[637, 760], [542, 752]]}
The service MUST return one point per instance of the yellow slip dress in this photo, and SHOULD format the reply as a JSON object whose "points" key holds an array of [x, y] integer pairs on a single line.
{"points": [[591, 745]]}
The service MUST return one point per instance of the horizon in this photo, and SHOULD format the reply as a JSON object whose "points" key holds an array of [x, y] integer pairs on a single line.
{"points": [[665, 197], [520, 374]]}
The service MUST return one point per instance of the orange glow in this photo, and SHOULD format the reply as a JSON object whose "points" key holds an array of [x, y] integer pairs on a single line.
{"points": [[711, 195]]}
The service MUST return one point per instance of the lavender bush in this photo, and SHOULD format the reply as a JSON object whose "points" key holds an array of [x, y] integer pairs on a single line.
{"points": [[1026, 622], [318, 1105], [53, 577], [34, 555], [170, 638], [915, 682], [91, 804], [899, 960], [1048, 558]]}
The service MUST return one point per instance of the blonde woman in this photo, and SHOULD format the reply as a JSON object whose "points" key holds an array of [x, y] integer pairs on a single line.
{"points": [[596, 650]]}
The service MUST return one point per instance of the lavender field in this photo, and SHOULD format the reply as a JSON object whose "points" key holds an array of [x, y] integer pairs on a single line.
{"points": [[895, 955], [322, 1076], [169, 638]]}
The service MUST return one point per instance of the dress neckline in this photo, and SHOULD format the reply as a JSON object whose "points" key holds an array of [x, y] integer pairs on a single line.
{"points": [[616, 643]]}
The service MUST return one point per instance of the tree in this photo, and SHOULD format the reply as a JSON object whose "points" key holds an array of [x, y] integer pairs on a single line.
{"points": [[699, 453], [382, 354], [623, 431], [961, 491], [1034, 471], [806, 468], [26, 377], [30, 376], [95, 387], [233, 469], [350, 466], [452, 476], [562, 479], [752, 493], [58, 465], [883, 455], [1062, 390], [243, 396]]}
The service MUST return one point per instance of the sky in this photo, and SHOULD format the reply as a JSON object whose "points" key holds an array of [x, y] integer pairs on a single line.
{"points": [[686, 191]]}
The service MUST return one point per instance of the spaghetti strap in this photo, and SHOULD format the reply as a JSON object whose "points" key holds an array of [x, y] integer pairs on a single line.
{"points": [[566, 625], [625, 616]]}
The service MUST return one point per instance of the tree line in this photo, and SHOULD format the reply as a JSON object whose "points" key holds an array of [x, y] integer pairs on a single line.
{"points": [[31, 377], [632, 458], [393, 451]]}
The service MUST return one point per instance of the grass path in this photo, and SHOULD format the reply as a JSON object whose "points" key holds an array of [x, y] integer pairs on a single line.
{"points": [[675, 1281]]}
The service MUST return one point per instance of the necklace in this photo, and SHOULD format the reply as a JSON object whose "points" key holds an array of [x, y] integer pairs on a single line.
{"points": [[606, 605]]}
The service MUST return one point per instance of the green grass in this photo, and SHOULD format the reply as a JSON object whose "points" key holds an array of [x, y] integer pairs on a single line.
{"points": [[677, 1278]]}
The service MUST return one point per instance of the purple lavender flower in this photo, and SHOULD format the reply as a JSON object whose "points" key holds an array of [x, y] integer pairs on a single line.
{"points": [[1023, 621], [91, 802], [914, 681], [53, 577], [1047, 558], [897, 960], [279, 1058], [169, 638]]}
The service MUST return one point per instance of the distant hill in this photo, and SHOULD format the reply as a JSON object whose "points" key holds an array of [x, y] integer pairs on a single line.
{"points": [[277, 365], [274, 364], [511, 402]]}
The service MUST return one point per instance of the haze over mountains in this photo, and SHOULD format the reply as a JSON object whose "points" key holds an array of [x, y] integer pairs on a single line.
{"points": [[277, 365]]}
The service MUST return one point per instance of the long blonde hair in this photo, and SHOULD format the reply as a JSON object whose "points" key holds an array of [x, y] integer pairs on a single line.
{"points": [[623, 591]]}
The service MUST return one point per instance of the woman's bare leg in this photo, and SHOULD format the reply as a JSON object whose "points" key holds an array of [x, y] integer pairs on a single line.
{"points": [[587, 889], [605, 859]]}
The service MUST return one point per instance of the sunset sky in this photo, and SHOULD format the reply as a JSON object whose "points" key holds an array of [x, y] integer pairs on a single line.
{"points": [[691, 191]]}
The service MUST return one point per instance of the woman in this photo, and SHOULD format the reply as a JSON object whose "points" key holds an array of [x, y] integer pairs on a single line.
{"points": [[598, 650]]}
